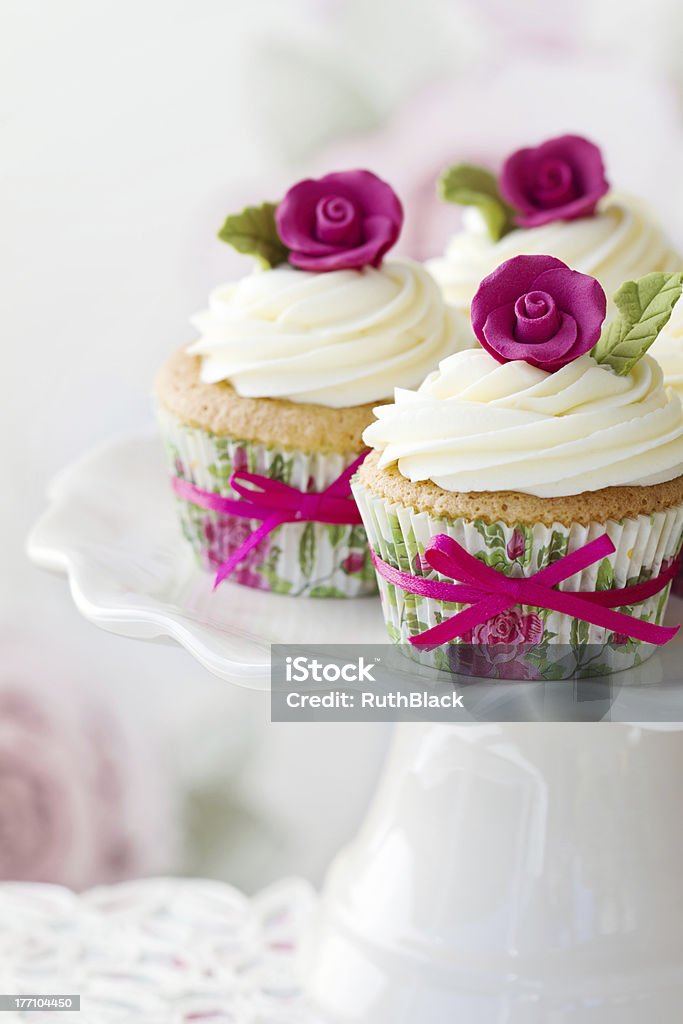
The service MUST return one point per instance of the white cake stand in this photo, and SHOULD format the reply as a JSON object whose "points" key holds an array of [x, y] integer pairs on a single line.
{"points": [[110, 526], [505, 874]]}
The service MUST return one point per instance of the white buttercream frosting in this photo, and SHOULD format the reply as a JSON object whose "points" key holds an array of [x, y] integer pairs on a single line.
{"points": [[668, 350], [622, 242], [341, 338], [479, 425]]}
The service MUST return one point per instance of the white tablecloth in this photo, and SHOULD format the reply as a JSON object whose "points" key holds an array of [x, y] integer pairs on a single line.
{"points": [[161, 951]]}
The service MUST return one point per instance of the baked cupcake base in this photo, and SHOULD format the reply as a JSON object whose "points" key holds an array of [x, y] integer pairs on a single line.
{"points": [[518, 534], [209, 432]]}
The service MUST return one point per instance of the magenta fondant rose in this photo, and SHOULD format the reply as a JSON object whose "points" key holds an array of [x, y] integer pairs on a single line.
{"points": [[341, 221], [562, 179], [536, 309]]}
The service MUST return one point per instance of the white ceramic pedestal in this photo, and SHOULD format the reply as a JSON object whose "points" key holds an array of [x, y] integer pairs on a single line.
{"points": [[510, 874]]}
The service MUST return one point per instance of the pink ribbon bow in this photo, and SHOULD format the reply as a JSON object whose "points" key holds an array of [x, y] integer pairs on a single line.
{"points": [[274, 502], [489, 592]]}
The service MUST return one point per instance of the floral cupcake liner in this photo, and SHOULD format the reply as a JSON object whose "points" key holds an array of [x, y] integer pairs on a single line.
{"points": [[524, 642], [307, 559]]}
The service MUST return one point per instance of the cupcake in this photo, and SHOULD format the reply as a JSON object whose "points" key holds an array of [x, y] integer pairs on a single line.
{"points": [[263, 414], [668, 351], [525, 504], [553, 198]]}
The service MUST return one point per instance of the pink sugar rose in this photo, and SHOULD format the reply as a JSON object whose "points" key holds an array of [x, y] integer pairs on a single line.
{"points": [[562, 179], [340, 221], [536, 309]]}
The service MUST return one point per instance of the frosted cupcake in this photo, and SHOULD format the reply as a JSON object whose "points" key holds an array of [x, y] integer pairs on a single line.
{"points": [[553, 198], [541, 470], [668, 351], [263, 414]]}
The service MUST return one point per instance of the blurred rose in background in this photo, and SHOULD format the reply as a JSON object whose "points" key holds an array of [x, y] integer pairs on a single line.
{"points": [[83, 798]]}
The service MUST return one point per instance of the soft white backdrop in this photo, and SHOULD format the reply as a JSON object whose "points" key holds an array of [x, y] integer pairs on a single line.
{"points": [[127, 131]]}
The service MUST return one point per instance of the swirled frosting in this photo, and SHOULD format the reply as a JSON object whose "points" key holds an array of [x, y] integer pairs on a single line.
{"points": [[479, 425], [668, 350], [622, 242], [341, 338]]}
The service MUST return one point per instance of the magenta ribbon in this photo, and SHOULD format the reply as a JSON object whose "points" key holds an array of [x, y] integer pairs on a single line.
{"points": [[489, 592], [274, 502]]}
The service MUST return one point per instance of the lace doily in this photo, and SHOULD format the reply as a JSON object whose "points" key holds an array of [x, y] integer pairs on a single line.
{"points": [[163, 951]]}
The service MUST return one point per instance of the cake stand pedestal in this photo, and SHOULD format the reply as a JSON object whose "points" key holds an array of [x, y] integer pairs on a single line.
{"points": [[522, 873], [505, 874]]}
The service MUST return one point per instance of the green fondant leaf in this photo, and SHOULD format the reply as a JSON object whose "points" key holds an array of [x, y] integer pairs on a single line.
{"points": [[469, 185], [644, 308], [254, 233]]}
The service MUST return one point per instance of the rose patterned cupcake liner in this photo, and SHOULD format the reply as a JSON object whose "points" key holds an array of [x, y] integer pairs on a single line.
{"points": [[523, 642], [306, 559], [677, 585]]}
